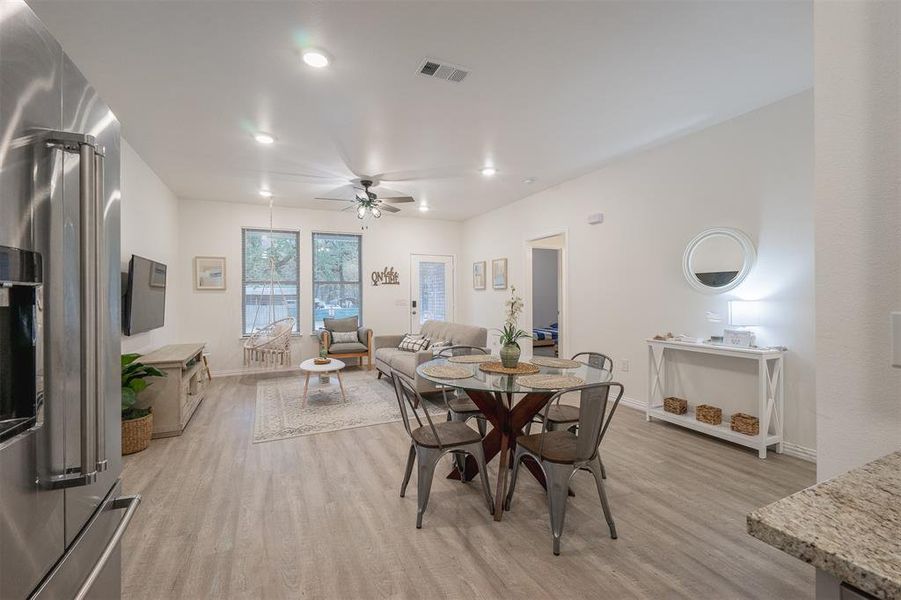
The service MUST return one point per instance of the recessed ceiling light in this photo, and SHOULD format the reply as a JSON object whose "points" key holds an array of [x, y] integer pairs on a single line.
{"points": [[487, 171], [423, 208], [315, 58], [528, 180], [264, 138], [265, 193]]}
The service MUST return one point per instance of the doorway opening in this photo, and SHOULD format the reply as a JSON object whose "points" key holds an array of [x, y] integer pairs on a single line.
{"points": [[547, 294]]}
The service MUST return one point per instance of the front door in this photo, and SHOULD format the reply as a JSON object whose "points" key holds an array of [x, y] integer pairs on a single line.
{"points": [[431, 290]]}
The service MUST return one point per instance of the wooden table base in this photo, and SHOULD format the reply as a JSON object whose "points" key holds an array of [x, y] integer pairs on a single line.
{"points": [[508, 420]]}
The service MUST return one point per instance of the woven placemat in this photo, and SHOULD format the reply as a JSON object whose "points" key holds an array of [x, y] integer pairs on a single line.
{"points": [[472, 358], [498, 368], [556, 363], [550, 382], [447, 372]]}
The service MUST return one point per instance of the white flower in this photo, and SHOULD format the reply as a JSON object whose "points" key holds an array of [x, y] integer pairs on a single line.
{"points": [[513, 307]]}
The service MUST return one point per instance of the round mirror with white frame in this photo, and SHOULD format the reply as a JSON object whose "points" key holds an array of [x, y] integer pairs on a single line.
{"points": [[718, 259]]}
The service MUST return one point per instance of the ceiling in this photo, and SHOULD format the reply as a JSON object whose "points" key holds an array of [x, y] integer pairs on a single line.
{"points": [[555, 90]]}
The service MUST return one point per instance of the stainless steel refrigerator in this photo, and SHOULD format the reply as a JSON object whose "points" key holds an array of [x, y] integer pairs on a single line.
{"points": [[62, 515]]}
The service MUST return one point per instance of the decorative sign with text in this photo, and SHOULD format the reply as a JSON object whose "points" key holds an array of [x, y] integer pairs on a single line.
{"points": [[387, 277]]}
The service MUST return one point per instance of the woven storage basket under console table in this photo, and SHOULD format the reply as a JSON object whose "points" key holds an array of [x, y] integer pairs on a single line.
{"points": [[770, 398]]}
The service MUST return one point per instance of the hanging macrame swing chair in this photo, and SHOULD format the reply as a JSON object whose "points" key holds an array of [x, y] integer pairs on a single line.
{"points": [[269, 344]]}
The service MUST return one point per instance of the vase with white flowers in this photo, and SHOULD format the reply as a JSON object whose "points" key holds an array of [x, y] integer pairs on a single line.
{"points": [[511, 334]]}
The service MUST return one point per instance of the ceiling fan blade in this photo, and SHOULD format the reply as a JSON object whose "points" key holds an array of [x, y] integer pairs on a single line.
{"points": [[389, 208], [449, 172], [335, 199], [398, 199]]}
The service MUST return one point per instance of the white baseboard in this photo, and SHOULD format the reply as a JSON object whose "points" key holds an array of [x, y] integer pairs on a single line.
{"points": [[251, 371], [788, 448], [808, 454]]}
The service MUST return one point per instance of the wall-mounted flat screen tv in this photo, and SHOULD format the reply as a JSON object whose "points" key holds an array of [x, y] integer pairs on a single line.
{"points": [[144, 306]]}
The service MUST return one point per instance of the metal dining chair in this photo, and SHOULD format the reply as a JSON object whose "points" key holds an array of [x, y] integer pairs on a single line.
{"points": [[459, 405], [429, 442], [566, 416], [561, 452]]}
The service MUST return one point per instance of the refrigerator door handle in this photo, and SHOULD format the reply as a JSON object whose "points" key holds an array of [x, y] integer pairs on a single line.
{"points": [[85, 146], [101, 308], [130, 503]]}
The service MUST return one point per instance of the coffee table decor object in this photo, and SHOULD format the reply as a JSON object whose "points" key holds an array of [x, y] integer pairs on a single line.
{"points": [[321, 361], [473, 358], [447, 371], [550, 382], [555, 363], [498, 368]]}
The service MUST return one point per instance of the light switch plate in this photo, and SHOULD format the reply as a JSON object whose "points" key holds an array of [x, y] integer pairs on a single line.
{"points": [[896, 339]]}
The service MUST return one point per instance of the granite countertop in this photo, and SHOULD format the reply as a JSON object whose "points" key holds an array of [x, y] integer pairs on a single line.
{"points": [[849, 526]]}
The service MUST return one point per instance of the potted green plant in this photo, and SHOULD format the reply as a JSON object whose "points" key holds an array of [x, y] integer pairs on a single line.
{"points": [[137, 423], [510, 334]]}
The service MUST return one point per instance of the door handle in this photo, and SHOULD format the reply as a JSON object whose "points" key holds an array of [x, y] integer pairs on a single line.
{"points": [[130, 504], [92, 455]]}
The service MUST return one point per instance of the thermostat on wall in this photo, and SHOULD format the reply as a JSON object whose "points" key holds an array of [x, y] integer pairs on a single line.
{"points": [[595, 218]]}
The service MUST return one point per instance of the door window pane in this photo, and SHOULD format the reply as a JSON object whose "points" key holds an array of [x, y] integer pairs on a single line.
{"points": [[432, 292], [337, 287]]}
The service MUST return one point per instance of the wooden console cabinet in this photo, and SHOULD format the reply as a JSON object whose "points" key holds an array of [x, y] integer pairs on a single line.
{"points": [[174, 398]]}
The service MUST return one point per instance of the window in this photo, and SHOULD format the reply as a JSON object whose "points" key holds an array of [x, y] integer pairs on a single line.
{"points": [[269, 256], [337, 287]]}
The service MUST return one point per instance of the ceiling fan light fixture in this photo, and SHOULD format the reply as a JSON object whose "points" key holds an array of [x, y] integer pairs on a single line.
{"points": [[264, 138], [361, 212], [488, 171], [375, 212], [315, 58]]}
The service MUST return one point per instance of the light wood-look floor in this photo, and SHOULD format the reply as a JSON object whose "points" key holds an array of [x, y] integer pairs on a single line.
{"points": [[320, 517]]}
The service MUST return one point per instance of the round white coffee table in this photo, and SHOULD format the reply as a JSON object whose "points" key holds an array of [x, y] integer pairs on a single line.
{"points": [[332, 366]]}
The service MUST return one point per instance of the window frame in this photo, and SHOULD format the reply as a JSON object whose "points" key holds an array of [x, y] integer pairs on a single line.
{"points": [[244, 230], [314, 281]]}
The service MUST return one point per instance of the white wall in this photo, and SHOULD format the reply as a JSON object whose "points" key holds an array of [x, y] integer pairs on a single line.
{"points": [[214, 229], [544, 286], [150, 229], [624, 276], [858, 230]]}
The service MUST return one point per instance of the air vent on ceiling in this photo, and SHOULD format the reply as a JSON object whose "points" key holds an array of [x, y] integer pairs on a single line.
{"points": [[442, 70]]}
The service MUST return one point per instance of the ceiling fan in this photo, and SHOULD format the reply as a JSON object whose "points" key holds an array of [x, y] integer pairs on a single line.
{"points": [[367, 202]]}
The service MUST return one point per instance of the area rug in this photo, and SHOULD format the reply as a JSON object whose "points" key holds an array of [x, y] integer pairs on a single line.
{"points": [[280, 412]]}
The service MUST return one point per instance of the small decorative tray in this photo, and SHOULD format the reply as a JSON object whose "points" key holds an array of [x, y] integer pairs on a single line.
{"points": [[550, 382], [321, 361], [556, 363], [498, 368], [472, 358], [447, 372]]}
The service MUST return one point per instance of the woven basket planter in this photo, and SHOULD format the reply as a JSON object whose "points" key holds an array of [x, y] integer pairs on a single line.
{"points": [[711, 415], [136, 434], [746, 424], [674, 405]]}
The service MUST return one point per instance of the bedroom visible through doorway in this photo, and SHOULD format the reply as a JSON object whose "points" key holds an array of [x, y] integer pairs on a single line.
{"points": [[547, 295]]}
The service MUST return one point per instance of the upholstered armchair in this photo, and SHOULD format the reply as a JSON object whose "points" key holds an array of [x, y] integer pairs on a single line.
{"points": [[336, 337]]}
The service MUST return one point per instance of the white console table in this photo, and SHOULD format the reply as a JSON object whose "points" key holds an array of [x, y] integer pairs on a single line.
{"points": [[770, 397]]}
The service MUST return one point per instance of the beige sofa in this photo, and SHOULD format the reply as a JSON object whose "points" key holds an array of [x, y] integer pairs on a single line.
{"points": [[389, 358]]}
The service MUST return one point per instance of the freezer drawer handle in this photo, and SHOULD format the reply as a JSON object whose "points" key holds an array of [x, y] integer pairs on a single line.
{"points": [[90, 192], [131, 504]]}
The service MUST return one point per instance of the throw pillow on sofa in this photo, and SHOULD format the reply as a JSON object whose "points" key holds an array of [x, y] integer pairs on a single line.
{"points": [[413, 343], [342, 337]]}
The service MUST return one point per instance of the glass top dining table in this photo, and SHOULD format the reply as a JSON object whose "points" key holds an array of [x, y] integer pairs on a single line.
{"points": [[496, 398], [509, 384]]}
